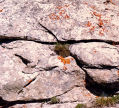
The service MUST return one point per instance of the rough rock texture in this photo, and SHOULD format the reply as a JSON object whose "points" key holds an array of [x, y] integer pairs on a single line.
{"points": [[31, 73], [100, 60]]}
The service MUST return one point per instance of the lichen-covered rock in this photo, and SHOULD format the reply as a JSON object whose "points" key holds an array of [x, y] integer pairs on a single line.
{"points": [[28, 60], [33, 71], [69, 20]]}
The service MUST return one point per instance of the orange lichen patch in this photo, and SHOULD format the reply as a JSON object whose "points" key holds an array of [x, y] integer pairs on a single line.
{"points": [[1, 10], [92, 28], [118, 72], [88, 24], [54, 16], [96, 14], [94, 51], [62, 12], [100, 22], [65, 61], [66, 16]]}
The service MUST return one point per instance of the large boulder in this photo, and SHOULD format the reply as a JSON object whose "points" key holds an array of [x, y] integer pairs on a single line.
{"points": [[99, 60], [22, 61]]}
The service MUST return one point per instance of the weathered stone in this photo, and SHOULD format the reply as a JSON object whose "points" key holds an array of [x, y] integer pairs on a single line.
{"points": [[44, 65], [69, 20], [33, 71], [100, 61], [96, 54]]}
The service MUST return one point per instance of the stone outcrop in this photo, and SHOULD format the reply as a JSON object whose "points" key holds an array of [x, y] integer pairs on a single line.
{"points": [[33, 75]]}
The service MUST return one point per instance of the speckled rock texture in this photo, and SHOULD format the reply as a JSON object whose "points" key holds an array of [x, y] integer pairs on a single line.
{"points": [[32, 74]]}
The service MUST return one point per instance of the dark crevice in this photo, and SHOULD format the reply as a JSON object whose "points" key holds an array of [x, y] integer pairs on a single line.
{"points": [[106, 67], [101, 89], [24, 60], [50, 32], [94, 87], [7, 39], [27, 84], [6, 104]]}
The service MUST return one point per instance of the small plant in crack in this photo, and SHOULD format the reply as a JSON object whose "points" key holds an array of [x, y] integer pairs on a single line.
{"points": [[106, 101], [54, 100], [62, 49], [80, 106]]}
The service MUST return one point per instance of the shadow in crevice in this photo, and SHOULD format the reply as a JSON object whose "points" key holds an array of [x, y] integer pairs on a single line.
{"points": [[8, 40], [37, 41], [102, 89], [6, 104]]}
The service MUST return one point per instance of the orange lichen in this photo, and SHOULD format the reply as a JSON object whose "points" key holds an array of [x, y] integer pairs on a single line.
{"points": [[54, 16], [94, 51], [92, 28], [100, 22], [62, 12], [1, 10], [118, 72], [88, 24], [96, 14], [66, 16], [65, 61]]}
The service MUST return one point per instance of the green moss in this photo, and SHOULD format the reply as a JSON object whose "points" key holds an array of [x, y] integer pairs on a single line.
{"points": [[54, 100], [80, 106], [107, 101], [62, 49]]}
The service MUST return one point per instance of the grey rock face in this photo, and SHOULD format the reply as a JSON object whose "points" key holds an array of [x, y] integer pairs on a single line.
{"points": [[96, 54], [100, 61], [31, 73]]}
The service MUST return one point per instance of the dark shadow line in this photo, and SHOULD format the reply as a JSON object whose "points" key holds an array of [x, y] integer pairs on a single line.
{"points": [[94, 87], [6, 39], [49, 31], [91, 40], [6, 104]]}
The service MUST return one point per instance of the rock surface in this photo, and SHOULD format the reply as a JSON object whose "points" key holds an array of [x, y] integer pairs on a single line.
{"points": [[100, 60], [32, 73]]}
